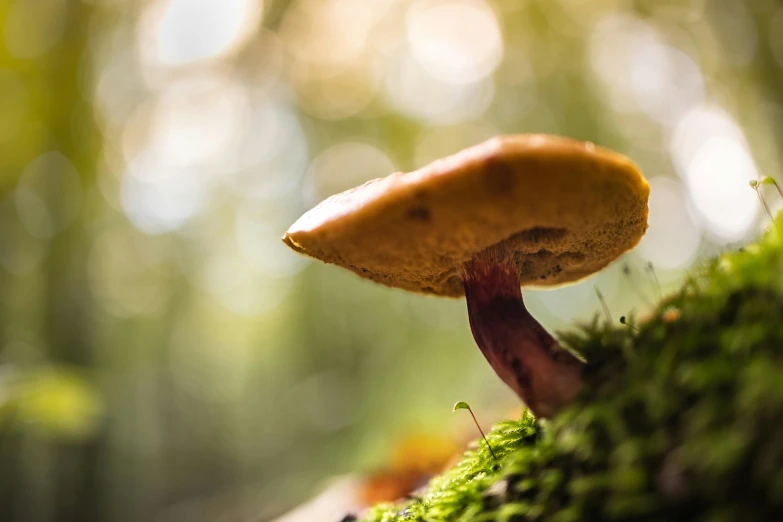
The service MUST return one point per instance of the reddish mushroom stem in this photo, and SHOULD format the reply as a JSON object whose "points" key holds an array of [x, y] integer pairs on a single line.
{"points": [[523, 354]]}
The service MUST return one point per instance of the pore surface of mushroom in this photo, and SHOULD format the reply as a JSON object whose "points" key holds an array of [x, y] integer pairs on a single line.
{"points": [[522, 210]]}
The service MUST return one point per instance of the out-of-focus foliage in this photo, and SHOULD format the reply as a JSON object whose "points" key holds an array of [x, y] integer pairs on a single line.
{"points": [[153, 152], [55, 403]]}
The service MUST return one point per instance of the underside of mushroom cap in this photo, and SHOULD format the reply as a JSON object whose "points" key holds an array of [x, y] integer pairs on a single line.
{"points": [[559, 209]]}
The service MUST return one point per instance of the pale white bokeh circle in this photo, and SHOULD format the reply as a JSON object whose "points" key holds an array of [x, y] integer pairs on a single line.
{"points": [[672, 239]]}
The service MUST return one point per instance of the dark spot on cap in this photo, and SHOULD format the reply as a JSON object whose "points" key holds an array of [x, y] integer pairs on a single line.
{"points": [[419, 213], [500, 176]]}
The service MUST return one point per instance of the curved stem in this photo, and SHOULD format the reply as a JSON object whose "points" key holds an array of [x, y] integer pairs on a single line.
{"points": [[523, 354]]}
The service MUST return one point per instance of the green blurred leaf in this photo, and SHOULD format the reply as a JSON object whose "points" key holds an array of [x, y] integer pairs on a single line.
{"points": [[56, 402]]}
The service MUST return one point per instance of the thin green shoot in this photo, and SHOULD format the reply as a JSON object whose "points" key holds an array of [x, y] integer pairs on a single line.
{"points": [[626, 323], [627, 274], [769, 180], [651, 268], [755, 186], [603, 303], [462, 405]]}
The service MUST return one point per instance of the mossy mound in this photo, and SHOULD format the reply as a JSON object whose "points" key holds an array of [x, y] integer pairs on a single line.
{"points": [[681, 418]]}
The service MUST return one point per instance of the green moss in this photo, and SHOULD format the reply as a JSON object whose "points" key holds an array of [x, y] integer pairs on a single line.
{"points": [[680, 419]]}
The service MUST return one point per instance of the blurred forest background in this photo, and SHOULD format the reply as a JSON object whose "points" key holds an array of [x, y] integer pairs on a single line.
{"points": [[164, 357]]}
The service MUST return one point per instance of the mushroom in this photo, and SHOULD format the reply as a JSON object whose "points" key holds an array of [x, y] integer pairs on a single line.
{"points": [[522, 210]]}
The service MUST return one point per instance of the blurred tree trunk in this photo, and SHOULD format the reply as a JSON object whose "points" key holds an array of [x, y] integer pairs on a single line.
{"points": [[48, 479]]}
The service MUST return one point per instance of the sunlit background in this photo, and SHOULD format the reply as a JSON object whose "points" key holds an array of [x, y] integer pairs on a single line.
{"points": [[164, 357]]}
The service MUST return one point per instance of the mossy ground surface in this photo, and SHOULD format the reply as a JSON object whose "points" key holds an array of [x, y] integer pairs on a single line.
{"points": [[681, 418]]}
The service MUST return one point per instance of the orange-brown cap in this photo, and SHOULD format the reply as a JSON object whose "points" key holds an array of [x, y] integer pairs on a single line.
{"points": [[560, 209]]}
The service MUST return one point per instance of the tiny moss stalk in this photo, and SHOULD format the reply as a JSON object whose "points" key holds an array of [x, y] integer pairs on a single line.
{"points": [[523, 354], [462, 405]]}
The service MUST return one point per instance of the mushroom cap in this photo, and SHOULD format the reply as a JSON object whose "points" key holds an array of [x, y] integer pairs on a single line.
{"points": [[557, 208]]}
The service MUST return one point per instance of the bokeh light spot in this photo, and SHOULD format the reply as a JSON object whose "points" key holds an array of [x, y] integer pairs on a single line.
{"points": [[271, 156], [344, 166], [577, 302], [456, 41], [711, 154], [318, 32], [672, 239], [666, 82], [336, 94], [641, 72], [160, 198], [186, 31], [198, 120], [413, 91]]}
